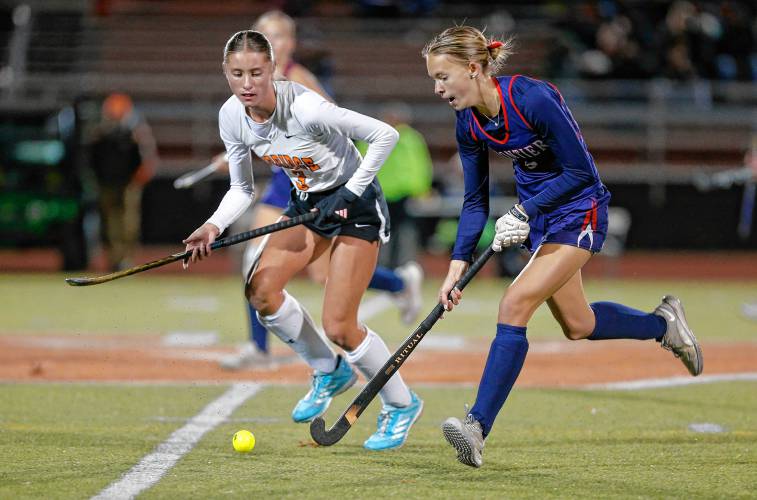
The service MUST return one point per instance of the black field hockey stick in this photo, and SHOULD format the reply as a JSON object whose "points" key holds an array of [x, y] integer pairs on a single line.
{"points": [[328, 437], [224, 242]]}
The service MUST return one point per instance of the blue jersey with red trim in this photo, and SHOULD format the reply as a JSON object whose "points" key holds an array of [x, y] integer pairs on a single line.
{"points": [[554, 170]]}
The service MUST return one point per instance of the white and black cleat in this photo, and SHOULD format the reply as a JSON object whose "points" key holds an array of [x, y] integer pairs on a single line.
{"points": [[678, 338]]}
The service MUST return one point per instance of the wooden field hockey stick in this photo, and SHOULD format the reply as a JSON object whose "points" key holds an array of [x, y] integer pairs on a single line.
{"points": [[224, 242], [191, 178], [328, 437]]}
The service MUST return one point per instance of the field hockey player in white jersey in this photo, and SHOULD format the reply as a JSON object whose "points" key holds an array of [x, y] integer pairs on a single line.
{"points": [[288, 125], [403, 284]]}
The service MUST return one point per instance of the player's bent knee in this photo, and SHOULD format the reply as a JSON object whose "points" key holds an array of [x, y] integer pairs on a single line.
{"points": [[516, 308], [339, 332], [265, 299], [576, 330], [575, 334]]}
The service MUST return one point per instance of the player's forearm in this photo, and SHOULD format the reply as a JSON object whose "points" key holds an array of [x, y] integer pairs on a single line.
{"points": [[380, 141], [232, 206], [469, 229], [241, 184], [475, 210]]}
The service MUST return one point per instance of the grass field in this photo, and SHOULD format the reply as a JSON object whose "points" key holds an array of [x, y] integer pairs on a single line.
{"points": [[140, 305], [72, 440]]}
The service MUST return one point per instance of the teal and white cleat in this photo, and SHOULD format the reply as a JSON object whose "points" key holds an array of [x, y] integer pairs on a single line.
{"points": [[324, 387], [394, 425]]}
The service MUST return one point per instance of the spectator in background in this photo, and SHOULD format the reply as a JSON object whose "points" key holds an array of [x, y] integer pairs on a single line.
{"points": [[682, 40], [123, 158], [737, 45], [681, 36], [406, 174]]}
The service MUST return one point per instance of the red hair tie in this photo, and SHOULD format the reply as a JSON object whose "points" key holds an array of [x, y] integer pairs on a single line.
{"points": [[494, 45]]}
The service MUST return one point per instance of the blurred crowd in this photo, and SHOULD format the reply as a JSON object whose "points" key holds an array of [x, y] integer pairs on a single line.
{"points": [[681, 40]]}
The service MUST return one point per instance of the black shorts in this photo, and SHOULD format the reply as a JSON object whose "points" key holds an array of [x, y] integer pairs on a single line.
{"points": [[368, 216]]}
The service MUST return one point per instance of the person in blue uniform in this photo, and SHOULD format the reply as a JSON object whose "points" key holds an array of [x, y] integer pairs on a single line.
{"points": [[561, 218]]}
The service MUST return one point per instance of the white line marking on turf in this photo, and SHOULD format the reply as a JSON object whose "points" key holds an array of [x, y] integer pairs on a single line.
{"points": [[628, 385], [152, 467], [184, 338], [656, 383], [706, 428]]}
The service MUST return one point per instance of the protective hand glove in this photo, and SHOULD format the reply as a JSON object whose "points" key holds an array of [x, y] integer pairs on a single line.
{"points": [[335, 207], [511, 229]]}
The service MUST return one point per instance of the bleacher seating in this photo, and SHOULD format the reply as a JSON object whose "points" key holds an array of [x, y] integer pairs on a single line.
{"points": [[167, 55]]}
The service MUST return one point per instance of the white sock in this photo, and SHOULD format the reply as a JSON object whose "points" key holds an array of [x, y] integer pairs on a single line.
{"points": [[292, 324], [369, 357]]}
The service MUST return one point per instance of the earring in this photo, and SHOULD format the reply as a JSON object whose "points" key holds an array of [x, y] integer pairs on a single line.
{"points": [[472, 76]]}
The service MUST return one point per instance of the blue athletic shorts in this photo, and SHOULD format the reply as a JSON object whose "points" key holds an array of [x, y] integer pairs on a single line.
{"points": [[368, 216], [276, 193], [584, 225]]}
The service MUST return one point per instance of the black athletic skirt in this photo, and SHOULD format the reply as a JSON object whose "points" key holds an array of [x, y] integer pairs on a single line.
{"points": [[368, 216]]}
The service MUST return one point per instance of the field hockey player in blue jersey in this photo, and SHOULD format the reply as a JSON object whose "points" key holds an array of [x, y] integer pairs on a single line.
{"points": [[561, 218]]}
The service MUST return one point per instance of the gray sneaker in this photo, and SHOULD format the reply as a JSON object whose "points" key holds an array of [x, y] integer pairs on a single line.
{"points": [[467, 438], [410, 300], [679, 339]]}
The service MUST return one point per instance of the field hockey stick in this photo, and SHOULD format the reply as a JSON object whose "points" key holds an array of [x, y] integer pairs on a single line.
{"points": [[224, 242], [191, 178], [328, 437]]}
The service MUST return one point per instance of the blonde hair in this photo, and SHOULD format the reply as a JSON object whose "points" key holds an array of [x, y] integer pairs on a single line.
{"points": [[276, 16], [467, 44], [248, 40]]}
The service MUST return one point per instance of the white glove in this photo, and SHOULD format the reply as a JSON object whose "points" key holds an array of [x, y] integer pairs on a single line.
{"points": [[511, 229]]}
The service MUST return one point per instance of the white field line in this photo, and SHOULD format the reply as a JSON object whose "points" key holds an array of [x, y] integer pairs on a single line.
{"points": [[630, 385], [152, 467], [656, 383]]}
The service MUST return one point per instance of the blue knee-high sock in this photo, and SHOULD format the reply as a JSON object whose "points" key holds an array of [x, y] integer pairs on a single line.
{"points": [[506, 356], [616, 321], [258, 333], [386, 279]]}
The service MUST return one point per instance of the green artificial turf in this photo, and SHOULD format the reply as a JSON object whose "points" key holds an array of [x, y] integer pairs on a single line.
{"points": [[158, 305], [71, 441]]}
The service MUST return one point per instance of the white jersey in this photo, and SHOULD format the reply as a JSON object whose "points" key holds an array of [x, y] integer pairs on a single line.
{"points": [[309, 137]]}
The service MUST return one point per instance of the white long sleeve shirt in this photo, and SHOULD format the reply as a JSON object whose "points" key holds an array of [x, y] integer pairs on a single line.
{"points": [[309, 137]]}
